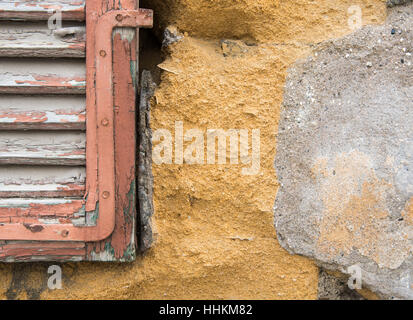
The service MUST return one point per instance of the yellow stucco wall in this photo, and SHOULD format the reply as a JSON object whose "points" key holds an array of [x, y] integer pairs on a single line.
{"points": [[214, 226]]}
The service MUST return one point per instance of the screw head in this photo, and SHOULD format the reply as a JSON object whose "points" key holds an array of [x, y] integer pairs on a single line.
{"points": [[105, 194], [102, 53], [105, 122], [119, 17]]}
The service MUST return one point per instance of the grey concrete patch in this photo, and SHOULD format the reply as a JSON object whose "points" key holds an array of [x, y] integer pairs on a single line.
{"points": [[334, 288], [345, 156], [170, 36], [392, 3]]}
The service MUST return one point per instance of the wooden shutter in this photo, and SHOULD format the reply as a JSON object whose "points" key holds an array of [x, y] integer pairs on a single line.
{"points": [[67, 129]]}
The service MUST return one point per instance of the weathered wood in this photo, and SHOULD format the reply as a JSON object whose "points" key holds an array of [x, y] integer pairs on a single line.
{"points": [[121, 245], [42, 148], [144, 167], [22, 251], [32, 76], [41, 10], [54, 79], [35, 120], [36, 40], [42, 211], [42, 112], [32, 203], [29, 181]]}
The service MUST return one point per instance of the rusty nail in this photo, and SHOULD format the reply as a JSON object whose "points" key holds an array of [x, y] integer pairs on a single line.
{"points": [[119, 17], [105, 122], [102, 53], [105, 194], [65, 233]]}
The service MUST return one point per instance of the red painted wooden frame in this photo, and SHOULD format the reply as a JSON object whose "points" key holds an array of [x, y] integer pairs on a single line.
{"points": [[100, 152]]}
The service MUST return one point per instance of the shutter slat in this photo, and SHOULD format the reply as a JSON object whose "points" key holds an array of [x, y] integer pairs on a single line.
{"points": [[32, 181], [40, 10], [29, 76], [44, 211], [42, 112], [56, 191], [42, 148], [24, 202], [36, 40], [38, 120]]}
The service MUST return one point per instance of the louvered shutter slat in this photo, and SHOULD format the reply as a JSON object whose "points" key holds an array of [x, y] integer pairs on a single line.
{"points": [[19, 112], [25, 76], [40, 10], [25, 39], [45, 181]]}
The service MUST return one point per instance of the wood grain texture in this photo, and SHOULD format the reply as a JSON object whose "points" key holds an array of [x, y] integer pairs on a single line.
{"points": [[42, 112], [32, 181], [42, 120], [42, 148], [33, 76], [144, 166], [68, 77], [26, 251], [41, 10], [33, 212], [36, 40], [121, 245]]}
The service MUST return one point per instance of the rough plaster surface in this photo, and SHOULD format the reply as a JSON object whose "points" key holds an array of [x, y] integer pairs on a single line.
{"points": [[264, 21], [213, 226], [345, 156]]}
